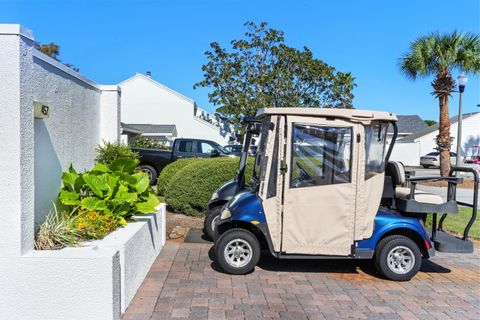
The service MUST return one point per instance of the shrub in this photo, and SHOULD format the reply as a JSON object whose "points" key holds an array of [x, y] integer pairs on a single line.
{"points": [[113, 189], [110, 151], [95, 225], [191, 187], [56, 233], [147, 143], [169, 172]]}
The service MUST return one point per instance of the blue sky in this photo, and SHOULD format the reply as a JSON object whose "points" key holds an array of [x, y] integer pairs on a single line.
{"points": [[112, 40]]}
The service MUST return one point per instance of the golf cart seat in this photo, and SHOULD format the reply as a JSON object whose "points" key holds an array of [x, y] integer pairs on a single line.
{"points": [[410, 200]]}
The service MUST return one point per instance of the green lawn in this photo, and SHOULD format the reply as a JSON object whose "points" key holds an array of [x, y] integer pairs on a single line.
{"points": [[456, 223]]}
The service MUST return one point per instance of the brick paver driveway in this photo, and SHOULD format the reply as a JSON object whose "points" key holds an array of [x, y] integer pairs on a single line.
{"points": [[183, 283]]}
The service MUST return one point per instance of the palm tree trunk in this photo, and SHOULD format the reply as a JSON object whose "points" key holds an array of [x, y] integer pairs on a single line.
{"points": [[444, 140]]}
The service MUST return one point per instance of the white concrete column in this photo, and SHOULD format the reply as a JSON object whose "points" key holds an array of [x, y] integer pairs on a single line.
{"points": [[110, 113], [17, 135]]}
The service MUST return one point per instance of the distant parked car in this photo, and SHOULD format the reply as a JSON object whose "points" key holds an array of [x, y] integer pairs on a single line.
{"points": [[152, 161], [432, 159], [236, 149]]}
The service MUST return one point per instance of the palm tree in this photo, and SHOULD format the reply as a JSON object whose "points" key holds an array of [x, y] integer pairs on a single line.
{"points": [[439, 55]]}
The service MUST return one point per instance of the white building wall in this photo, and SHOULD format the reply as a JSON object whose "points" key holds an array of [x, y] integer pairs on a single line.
{"points": [[406, 153], [82, 114], [144, 101], [470, 136], [33, 154]]}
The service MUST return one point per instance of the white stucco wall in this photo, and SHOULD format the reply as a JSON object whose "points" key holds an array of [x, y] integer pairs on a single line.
{"points": [[470, 135], [82, 114], [92, 282], [144, 101], [34, 152]]}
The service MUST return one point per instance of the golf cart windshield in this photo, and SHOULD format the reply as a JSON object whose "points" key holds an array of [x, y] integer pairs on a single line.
{"points": [[260, 159], [375, 145]]}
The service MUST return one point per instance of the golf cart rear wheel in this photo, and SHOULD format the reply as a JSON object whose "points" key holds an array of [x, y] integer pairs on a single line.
{"points": [[426, 166], [237, 251], [210, 218], [397, 258]]}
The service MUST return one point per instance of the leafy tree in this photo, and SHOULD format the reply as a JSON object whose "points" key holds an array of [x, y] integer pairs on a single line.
{"points": [[439, 55], [261, 71], [430, 122], [53, 51]]}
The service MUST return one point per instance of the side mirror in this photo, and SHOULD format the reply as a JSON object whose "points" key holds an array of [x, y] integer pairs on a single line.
{"points": [[214, 153]]}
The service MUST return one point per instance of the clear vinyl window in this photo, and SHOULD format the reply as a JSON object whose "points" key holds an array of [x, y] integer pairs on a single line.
{"points": [[321, 155], [375, 146]]}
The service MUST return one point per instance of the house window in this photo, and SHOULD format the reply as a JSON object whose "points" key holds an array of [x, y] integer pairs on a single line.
{"points": [[320, 155]]}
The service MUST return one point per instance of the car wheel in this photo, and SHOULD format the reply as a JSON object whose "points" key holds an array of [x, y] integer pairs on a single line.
{"points": [[237, 251], [426, 166], [211, 217], [397, 258], [150, 171]]}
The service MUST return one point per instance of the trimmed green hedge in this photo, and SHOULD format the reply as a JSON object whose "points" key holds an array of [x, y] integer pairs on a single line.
{"points": [[169, 172], [191, 187]]}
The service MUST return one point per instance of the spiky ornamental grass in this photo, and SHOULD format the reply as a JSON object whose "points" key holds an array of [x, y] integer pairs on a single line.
{"points": [[56, 233]]}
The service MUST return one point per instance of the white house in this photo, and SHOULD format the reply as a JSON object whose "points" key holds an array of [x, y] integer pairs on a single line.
{"points": [[145, 101], [470, 134]]}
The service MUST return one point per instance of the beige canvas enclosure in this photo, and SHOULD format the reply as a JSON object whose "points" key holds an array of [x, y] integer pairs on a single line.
{"points": [[322, 177]]}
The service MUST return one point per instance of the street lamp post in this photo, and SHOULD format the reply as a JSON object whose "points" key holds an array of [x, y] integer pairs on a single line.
{"points": [[462, 82]]}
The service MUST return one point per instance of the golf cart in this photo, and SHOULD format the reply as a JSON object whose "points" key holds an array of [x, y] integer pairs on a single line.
{"points": [[324, 189], [227, 191]]}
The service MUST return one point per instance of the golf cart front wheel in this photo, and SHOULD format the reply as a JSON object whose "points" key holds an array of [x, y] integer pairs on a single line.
{"points": [[237, 251], [210, 218], [397, 258]]}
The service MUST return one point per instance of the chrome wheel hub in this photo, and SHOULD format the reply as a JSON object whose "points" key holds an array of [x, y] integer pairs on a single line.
{"points": [[400, 259], [213, 222], [148, 173], [238, 253]]}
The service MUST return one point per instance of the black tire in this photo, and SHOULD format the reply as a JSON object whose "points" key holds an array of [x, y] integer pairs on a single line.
{"points": [[384, 249], [228, 239], [209, 220], [426, 166], [152, 173]]}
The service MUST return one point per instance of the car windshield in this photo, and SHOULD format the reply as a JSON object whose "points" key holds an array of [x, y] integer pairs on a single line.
{"points": [[221, 149], [433, 154]]}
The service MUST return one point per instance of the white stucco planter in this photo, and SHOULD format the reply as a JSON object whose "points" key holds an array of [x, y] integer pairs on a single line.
{"points": [[95, 281]]}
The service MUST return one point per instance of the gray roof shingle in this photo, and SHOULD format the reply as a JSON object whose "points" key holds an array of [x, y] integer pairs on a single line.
{"points": [[408, 124], [154, 128]]}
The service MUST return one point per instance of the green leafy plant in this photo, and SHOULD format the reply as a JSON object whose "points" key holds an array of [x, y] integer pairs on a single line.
{"points": [[110, 151], [147, 143], [56, 233], [170, 171], [110, 189], [192, 186]]}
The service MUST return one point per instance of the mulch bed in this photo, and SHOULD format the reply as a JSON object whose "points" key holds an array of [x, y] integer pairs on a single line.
{"points": [[183, 221], [467, 184]]}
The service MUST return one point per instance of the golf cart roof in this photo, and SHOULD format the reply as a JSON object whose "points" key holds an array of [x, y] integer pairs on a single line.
{"points": [[351, 114]]}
